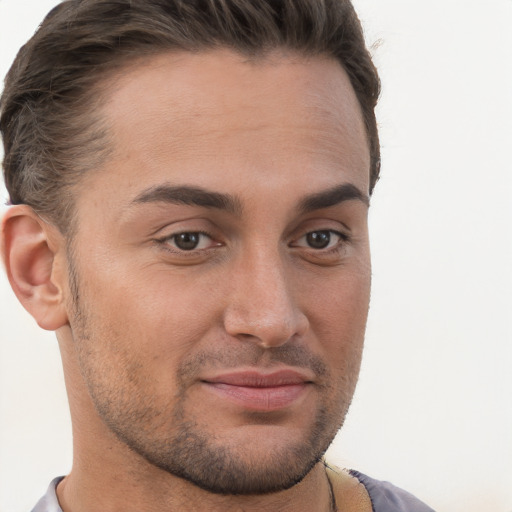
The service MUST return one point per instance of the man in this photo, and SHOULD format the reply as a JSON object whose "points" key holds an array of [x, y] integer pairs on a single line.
{"points": [[190, 184]]}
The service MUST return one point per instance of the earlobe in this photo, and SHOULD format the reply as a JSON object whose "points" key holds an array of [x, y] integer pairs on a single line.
{"points": [[32, 255]]}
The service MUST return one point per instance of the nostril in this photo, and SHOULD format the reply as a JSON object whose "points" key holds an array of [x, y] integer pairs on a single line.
{"points": [[270, 330]]}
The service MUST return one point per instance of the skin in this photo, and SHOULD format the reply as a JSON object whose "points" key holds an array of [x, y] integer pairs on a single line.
{"points": [[146, 327]]}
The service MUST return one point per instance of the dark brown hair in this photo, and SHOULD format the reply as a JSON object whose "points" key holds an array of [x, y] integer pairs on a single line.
{"points": [[50, 132]]}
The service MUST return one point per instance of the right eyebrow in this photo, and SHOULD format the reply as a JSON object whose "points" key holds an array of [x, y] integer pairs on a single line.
{"points": [[188, 195]]}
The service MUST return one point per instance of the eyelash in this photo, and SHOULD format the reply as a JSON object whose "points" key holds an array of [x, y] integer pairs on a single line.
{"points": [[164, 242], [343, 239]]}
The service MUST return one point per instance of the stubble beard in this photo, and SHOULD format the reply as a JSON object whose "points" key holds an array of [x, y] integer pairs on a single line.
{"points": [[172, 441], [193, 454]]}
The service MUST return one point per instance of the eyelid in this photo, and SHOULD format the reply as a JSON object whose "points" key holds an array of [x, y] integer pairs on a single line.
{"points": [[342, 237], [193, 224], [168, 242]]}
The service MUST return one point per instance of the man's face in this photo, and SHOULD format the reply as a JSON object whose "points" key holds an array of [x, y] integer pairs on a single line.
{"points": [[221, 267]]}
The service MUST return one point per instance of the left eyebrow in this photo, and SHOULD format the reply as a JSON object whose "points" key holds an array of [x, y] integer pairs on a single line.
{"points": [[332, 197]]}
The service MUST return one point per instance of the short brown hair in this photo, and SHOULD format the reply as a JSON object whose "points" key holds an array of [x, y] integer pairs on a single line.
{"points": [[50, 132]]}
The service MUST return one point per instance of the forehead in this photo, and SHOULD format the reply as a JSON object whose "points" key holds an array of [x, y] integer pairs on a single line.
{"points": [[215, 115]]}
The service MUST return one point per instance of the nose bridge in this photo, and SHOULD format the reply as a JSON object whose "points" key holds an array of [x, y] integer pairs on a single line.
{"points": [[262, 303]]}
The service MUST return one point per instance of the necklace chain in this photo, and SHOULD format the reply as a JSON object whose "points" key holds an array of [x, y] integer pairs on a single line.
{"points": [[333, 507]]}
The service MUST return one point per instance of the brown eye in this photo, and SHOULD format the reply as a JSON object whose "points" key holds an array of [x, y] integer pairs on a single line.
{"points": [[187, 241], [318, 239], [189, 244], [321, 240]]}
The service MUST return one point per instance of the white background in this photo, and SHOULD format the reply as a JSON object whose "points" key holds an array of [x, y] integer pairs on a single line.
{"points": [[433, 411]]}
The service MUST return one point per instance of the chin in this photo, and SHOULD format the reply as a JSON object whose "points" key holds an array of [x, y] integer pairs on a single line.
{"points": [[253, 460]]}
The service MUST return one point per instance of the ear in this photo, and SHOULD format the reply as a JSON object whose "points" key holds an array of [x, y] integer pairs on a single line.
{"points": [[34, 255]]}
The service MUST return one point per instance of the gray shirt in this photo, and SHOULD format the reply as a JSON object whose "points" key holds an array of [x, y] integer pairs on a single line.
{"points": [[385, 497]]}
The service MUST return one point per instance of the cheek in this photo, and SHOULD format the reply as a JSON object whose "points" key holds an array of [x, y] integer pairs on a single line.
{"points": [[341, 301], [154, 320], [337, 312]]}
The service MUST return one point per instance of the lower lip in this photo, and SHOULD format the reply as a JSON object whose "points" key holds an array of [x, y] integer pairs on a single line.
{"points": [[264, 399]]}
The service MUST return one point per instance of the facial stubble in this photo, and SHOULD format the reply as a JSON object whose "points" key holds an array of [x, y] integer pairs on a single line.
{"points": [[173, 440]]}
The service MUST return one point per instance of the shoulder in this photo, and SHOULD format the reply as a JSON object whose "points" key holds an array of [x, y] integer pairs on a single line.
{"points": [[385, 497], [49, 502]]}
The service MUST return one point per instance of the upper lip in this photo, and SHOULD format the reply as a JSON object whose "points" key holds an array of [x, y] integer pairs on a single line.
{"points": [[261, 379]]}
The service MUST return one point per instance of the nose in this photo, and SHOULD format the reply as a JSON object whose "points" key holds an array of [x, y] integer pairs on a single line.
{"points": [[261, 304]]}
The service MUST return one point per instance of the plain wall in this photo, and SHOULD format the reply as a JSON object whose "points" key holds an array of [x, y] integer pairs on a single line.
{"points": [[433, 410]]}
